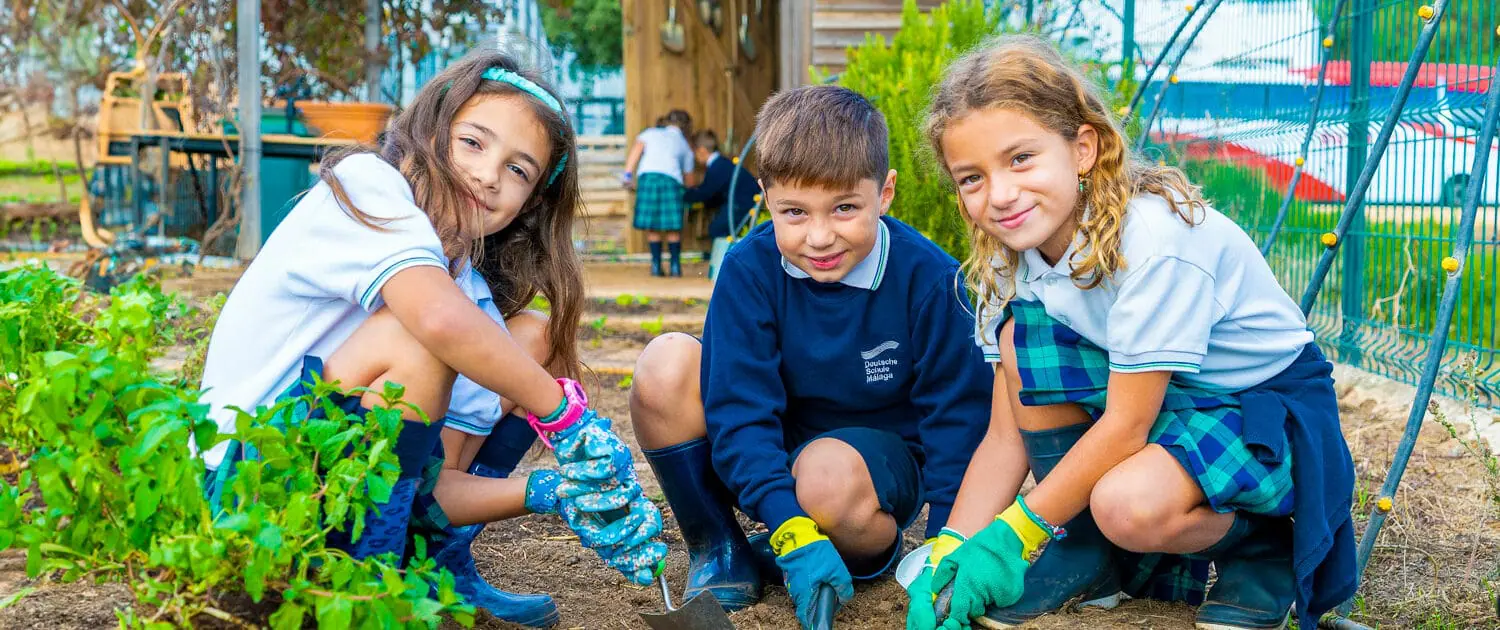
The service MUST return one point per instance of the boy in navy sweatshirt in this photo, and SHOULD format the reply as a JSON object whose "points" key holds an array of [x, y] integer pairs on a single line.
{"points": [[837, 388]]}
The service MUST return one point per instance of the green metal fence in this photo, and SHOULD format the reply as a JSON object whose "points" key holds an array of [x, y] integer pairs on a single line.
{"points": [[1237, 112]]}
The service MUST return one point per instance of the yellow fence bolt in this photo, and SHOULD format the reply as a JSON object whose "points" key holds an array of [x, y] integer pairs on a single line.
{"points": [[1450, 264], [1330, 239], [757, 197], [1426, 12], [1300, 161], [1173, 79], [1384, 504], [734, 160], [1328, 42], [1190, 7]]}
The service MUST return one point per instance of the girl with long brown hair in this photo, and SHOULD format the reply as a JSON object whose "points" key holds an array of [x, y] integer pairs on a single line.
{"points": [[414, 263], [1153, 377]]}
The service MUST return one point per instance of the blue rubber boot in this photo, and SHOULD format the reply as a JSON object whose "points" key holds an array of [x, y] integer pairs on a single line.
{"points": [[720, 560], [1255, 588], [452, 550], [1078, 567]]}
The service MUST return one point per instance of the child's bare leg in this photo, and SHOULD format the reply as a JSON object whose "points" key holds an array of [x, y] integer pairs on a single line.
{"points": [[665, 405], [469, 499], [835, 488], [380, 351], [666, 411], [1149, 503]]}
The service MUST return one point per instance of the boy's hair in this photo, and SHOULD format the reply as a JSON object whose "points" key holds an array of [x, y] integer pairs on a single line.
{"points": [[706, 140], [535, 252], [1027, 74], [821, 135]]}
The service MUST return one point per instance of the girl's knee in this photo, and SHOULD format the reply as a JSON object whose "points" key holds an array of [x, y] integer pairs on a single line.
{"points": [[833, 484], [529, 329], [382, 345], [666, 371], [1133, 512]]}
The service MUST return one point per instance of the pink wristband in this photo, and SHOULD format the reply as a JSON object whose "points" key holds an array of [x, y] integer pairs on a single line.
{"points": [[573, 404]]}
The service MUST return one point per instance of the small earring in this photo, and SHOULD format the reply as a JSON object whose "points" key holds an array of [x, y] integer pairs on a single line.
{"points": [[1083, 184]]}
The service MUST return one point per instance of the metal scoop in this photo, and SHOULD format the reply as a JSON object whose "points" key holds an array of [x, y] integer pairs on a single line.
{"points": [[701, 612]]}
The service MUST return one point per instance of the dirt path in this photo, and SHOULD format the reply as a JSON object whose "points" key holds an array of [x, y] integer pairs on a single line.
{"points": [[1437, 556]]}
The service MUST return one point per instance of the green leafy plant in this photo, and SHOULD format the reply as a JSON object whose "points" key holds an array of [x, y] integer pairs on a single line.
{"points": [[599, 325], [654, 327], [110, 491]]}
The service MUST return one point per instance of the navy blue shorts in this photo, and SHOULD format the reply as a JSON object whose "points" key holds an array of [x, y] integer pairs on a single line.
{"points": [[897, 476]]}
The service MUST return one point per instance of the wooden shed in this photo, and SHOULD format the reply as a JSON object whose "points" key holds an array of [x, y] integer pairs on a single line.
{"points": [[721, 59]]}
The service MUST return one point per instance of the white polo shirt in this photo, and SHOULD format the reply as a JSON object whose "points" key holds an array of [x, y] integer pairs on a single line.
{"points": [[473, 409], [317, 278], [667, 152], [1198, 300]]}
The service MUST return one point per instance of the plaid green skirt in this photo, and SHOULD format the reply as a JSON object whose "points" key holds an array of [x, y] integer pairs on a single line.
{"points": [[658, 203], [1203, 430]]}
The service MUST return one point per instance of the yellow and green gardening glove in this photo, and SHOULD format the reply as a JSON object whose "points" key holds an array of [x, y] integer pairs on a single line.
{"points": [[989, 570], [920, 614], [809, 561]]}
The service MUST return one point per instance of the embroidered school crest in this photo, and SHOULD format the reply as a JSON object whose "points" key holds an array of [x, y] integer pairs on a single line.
{"points": [[879, 369]]}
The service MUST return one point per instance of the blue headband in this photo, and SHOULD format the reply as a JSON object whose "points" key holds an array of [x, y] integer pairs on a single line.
{"points": [[530, 87]]}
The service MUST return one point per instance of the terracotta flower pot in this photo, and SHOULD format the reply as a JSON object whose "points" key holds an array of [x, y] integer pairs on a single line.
{"points": [[357, 121]]}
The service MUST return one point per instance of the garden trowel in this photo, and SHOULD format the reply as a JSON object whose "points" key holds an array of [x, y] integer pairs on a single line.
{"points": [[701, 612], [672, 37]]}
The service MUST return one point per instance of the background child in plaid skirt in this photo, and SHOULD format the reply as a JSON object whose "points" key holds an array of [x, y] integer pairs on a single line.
{"points": [[658, 168], [413, 263], [1153, 377]]}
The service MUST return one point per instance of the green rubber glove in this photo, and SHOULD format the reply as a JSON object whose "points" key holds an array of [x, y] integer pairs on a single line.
{"points": [[990, 568], [920, 614]]}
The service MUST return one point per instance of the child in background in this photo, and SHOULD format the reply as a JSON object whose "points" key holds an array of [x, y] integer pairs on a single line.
{"points": [[402, 266], [837, 389], [713, 191], [658, 167], [1153, 377]]}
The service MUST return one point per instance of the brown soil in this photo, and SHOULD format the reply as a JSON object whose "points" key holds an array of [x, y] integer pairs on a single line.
{"points": [[1434, 559]]}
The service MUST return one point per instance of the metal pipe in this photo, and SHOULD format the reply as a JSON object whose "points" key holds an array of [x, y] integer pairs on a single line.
{"points": [[372, 47], [1312, 127], [248, 30], [1151, 69], [1451, 289], [1356, 196], [1172, 73]]}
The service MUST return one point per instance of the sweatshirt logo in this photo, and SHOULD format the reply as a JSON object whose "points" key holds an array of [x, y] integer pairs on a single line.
{"points": [[879, 350], [877, 369]]}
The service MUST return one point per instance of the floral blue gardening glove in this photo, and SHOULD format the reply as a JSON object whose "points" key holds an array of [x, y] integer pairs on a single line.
{"points": [[599, 474], [989, 569], [809, 561], [541, 491], [920, 611], [628, 544]]}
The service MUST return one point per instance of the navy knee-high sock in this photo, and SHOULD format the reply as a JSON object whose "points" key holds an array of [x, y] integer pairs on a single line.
{"points": [[507, 444], [655, 254]]}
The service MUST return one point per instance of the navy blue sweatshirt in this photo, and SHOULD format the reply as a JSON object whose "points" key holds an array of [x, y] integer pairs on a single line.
{"points": [[786, 358]]}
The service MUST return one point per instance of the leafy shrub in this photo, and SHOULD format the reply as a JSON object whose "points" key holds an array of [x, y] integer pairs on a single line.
{"points": [[109, 489]]}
